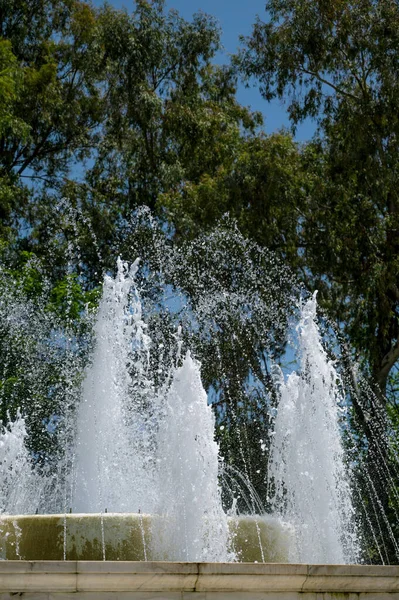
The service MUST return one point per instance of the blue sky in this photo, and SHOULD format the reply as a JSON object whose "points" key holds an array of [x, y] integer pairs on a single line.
{"points": [[236, 18]]}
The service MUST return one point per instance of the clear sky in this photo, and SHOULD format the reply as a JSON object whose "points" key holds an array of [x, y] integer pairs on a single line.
{"points": [[236, 18]]}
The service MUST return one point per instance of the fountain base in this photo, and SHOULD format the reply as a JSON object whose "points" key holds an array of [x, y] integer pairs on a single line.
{"points": [[181, 581], [124, 537]]}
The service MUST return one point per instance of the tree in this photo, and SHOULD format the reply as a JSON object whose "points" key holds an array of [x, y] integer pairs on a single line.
{"points": [[337, 62], [171, 116], [58, 103], [117, 109], [261, 185], [11, 76]]}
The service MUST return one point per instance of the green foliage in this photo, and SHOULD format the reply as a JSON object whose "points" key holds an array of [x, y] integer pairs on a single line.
{"points": [[11, 78], [58, 99], [171, 116], [49, 102], [68, 299], [337, 63], [11, 126], [27, 275], [261, 185]]}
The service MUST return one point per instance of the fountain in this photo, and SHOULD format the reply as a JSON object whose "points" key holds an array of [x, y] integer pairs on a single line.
{"points": [[140, 476], [146, 452], [136, 453]]}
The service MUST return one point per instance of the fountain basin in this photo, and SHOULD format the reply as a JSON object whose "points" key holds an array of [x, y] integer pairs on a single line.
{"points": [[125, 537]]}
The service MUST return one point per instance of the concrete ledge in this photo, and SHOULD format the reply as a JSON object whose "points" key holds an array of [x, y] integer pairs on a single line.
{"points": [[205, 581]]}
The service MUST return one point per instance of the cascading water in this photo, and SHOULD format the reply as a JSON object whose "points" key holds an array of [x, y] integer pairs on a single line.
{"points": [[21, 487], [308, 480]]}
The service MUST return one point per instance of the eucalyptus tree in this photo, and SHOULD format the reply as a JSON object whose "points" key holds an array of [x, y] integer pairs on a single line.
{"points": [[337, 63], [112, 110], [171, 115], [55, 107]]}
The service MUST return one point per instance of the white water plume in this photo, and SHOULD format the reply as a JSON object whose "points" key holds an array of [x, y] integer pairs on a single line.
{"points": [[139, 452], [21, 486], [191, 524], [308, 480], [112, 460]]}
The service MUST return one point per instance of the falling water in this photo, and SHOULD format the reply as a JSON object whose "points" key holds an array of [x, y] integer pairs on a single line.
{"points": [[308, 479], [21, 487], [146, 444]]}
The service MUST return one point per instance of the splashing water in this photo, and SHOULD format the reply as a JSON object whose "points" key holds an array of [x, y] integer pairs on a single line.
{"points": [[112, 458], [193, 524], [115, 466], [308, 480], [142, 447], [21, 487]]}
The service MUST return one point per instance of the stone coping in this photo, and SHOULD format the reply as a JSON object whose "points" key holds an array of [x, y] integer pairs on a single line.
{"points": [[95, 576]]}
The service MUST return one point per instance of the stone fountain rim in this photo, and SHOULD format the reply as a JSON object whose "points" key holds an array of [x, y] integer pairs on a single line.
{"points": [[123, 576]]}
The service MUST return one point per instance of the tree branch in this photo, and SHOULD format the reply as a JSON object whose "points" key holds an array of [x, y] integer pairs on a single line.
{"points": [[386, 365], [329, 83]]}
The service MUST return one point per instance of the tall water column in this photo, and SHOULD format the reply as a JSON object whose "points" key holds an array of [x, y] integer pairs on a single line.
{"points": [[112, 463], [308, 479]]}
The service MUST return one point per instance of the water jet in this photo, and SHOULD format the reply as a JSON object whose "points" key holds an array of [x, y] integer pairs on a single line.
{"points": [[149, 456]]}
